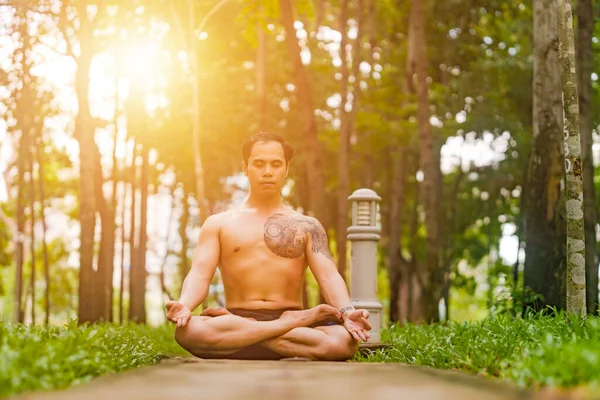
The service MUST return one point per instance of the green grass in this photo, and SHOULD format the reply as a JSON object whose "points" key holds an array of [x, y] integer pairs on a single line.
{"points": [[538, 351], [39, 358], [533, 352]]}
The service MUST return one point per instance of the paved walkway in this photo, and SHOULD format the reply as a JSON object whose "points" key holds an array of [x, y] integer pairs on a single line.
{"points": [[288, 380]]}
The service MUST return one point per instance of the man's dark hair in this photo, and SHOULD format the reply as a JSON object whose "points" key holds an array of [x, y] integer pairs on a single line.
{"points": [[288, 150]]}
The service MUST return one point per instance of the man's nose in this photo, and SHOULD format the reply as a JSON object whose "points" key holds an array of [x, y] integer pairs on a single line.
{"points": [[268, 171]]}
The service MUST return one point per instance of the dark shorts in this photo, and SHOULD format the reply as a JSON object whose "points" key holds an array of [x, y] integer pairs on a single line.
{"points": [[257, 351]]}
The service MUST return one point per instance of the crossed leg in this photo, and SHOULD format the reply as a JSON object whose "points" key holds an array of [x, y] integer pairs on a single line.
{"points": [[323, 343], [288, 336]]}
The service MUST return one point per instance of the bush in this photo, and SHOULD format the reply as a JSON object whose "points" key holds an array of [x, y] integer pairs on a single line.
{"points": [[537, 351], [53, 357]]}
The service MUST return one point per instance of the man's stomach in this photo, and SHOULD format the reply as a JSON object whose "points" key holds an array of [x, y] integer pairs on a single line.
{"points": [[274, 296], [263, 304], [263, 283]]}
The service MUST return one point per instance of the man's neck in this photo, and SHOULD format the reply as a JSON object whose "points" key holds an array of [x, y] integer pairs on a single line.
{"points": [[264, 203]]}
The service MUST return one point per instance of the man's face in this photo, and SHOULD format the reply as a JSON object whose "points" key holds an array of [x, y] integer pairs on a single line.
{"points": [[266, 167]]}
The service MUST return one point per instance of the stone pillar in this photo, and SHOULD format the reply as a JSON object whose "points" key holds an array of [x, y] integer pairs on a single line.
{"points": [[363, 236]]}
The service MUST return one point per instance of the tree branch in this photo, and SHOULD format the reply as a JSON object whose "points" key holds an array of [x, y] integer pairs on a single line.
{"points": [[210, 14], [178, 24], [63, 24]]}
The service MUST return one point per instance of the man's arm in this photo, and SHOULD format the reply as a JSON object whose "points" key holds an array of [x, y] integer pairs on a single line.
{"points": [[323, 267], [331, 283], [206, 257]]}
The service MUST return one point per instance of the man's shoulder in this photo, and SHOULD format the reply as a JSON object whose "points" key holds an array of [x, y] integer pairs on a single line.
{"points": [[216, 220], [298, 216]]}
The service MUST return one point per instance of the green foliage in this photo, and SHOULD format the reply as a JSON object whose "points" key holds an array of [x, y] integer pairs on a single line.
{"points": [[537, 351], [43, 358], [514, 301]]}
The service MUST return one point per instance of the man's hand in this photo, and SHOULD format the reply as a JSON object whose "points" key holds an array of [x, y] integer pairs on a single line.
{"points": [[357, 323], [178, 313]]}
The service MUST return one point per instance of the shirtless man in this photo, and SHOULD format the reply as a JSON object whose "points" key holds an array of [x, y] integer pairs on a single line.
{"points": [[262, 249]]}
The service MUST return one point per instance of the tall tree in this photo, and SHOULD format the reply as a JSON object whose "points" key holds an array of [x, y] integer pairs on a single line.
{"points": [[344, 146], [30, 161], [188, 38], [261, 75], [543, 216], [432, 274], [89, 290], [38, 147], [585, 60], [396, 266], [137, 282], [23, 99], [369, 163], [133, 232], [576, 303], [184, 265], [347, 118], [312, 146]]}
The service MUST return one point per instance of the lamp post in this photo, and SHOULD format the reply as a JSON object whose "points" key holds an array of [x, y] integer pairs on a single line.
{"points": [[364, 235]]}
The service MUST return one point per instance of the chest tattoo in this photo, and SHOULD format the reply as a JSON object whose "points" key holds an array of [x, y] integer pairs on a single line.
{"points": [[286, 236]]}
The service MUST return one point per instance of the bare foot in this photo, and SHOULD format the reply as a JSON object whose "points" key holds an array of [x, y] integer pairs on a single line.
{"points": [[320, 313], [215, 312]]}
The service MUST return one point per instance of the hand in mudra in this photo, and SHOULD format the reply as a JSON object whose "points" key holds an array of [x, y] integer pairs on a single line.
{"points": [[178, 313], [357, 323]]}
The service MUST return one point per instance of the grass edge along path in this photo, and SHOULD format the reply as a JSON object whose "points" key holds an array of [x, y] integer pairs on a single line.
{"points": [[539, 351], [43, 358]]}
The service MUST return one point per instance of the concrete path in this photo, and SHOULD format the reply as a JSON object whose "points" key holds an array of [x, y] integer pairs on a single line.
{"points": [[288, 380]]}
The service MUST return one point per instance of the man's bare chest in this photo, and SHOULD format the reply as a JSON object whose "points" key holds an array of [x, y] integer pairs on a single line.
{"points": [[280, 235]]}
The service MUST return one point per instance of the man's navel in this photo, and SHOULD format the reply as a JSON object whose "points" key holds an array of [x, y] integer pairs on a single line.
{"points": [[236, 249]]}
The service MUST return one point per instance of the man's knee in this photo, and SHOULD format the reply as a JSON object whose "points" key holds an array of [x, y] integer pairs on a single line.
{"points": [[194, 335], [340, 346]]}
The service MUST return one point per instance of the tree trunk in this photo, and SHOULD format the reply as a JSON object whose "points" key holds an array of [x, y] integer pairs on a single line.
{"points": [[369, 172], [320, 12], [543, 216], [448, 231], [137, 310], [122, 256], [429, 156], [32, 226], [397, 200], [198, 169], [20, 234], [261, 76], [133, 237], [576, 293], [312, 147], [163, 284], [39, 150], [585, 59], [343, 149], [113, 192], [23, 121], [137, 273], [184, 265], [84, 132], [106, 254], [412, 285]]}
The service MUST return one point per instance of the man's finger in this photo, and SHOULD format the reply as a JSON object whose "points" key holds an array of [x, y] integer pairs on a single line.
{"points": [[362, 336], [366, 324], [355, 336], [365, 314]]}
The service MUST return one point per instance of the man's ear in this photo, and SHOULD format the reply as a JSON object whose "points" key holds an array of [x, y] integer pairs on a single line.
{"points": [[287, 169], [245, 168]]}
